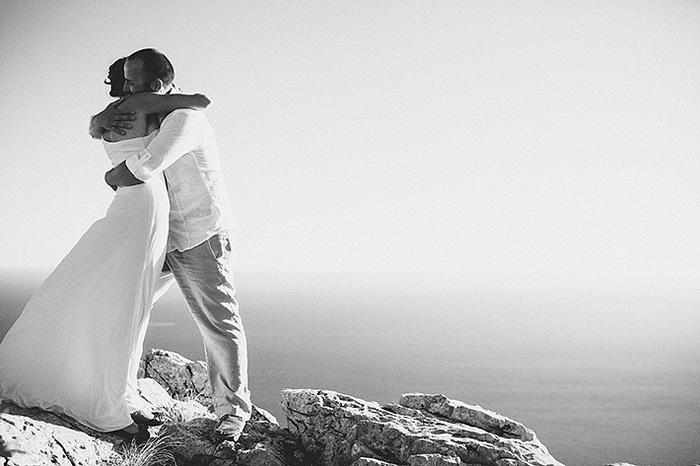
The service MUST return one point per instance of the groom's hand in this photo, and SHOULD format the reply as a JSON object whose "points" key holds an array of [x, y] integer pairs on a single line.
{"points": [[120, 176]]}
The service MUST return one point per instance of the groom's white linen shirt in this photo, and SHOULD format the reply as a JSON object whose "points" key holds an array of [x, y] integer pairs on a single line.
{"points": [[186, 152]]}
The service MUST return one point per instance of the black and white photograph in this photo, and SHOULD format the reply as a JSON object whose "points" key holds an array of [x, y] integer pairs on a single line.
{"points": [[350, 233]]}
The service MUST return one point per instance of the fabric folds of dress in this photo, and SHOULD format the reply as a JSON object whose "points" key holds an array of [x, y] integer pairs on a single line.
{"points": [[75, 347]]}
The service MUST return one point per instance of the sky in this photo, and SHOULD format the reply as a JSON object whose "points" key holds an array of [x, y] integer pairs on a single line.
{"points": [[533, 138]]}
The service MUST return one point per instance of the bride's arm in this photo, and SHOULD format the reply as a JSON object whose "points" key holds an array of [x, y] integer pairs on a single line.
{"points": [[116, 116], [146, 102]]}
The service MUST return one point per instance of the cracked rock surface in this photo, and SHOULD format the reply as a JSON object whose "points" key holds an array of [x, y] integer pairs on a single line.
{"points": [[182, 378], [325, 428], [32, 437], [422, 430]]}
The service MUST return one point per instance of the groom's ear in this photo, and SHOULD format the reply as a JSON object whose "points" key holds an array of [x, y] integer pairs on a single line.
{"points": [[157, 85]]}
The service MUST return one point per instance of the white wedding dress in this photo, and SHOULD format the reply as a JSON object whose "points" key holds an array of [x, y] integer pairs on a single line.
{"points": [[75, 348]]}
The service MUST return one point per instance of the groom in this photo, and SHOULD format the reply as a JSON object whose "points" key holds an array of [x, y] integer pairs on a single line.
{"points": [[199, 244]]}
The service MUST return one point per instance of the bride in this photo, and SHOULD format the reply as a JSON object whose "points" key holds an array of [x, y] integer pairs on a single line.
{"points": [[76, 346]]}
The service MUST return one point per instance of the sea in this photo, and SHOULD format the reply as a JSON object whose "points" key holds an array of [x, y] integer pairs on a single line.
{"points": [[603, 369]]}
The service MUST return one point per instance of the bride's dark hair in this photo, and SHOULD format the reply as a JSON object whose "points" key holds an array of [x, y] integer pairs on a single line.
{"points": [[115, 78]]}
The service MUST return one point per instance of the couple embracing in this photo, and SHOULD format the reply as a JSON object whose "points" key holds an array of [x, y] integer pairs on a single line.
{"points": [[76, 347]]}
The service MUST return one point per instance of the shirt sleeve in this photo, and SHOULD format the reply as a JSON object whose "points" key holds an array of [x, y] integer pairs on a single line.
{"points": [[180, 133]]}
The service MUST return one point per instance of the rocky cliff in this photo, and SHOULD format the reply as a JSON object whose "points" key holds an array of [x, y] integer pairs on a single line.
{"points": [[325, 428]]}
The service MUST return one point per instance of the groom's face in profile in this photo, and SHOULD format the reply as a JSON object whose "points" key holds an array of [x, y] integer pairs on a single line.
{"points": [[134, 81]]}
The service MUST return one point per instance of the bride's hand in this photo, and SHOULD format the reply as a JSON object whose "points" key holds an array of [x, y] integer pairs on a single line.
{"points": [[112, 118]]}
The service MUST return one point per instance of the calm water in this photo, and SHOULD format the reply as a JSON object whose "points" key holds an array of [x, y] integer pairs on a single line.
{"points": [[602, 371]]}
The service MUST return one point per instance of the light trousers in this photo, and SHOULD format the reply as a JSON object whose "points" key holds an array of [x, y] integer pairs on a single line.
{"points": [[204, 276]]}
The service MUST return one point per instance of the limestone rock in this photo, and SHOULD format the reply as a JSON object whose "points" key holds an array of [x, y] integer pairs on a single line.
{"points": [[175, 411], [326, 429], [371, 462], [263, 442], [476, 416], [182, 378], [433, 460], [339, 430], [33, 437], [619, 464]]}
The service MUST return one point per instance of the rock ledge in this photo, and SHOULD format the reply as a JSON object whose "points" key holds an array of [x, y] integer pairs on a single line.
{"points": [[326, 428]]}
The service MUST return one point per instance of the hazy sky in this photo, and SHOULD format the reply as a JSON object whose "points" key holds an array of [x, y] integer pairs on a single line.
{"points": [[486, 137]]}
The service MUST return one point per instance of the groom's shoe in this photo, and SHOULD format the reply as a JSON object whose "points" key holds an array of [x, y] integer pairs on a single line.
{"points": [[230, 428], [145, 419]]}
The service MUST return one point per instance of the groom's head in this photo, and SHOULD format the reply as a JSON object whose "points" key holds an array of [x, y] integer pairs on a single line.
{"points": [[148, 70]]}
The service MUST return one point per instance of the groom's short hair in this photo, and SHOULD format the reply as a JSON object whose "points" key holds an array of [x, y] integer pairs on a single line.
{"points": [[155, 65]]}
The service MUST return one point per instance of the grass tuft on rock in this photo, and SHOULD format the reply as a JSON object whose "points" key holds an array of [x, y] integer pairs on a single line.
{"points": [[156, 452]]}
